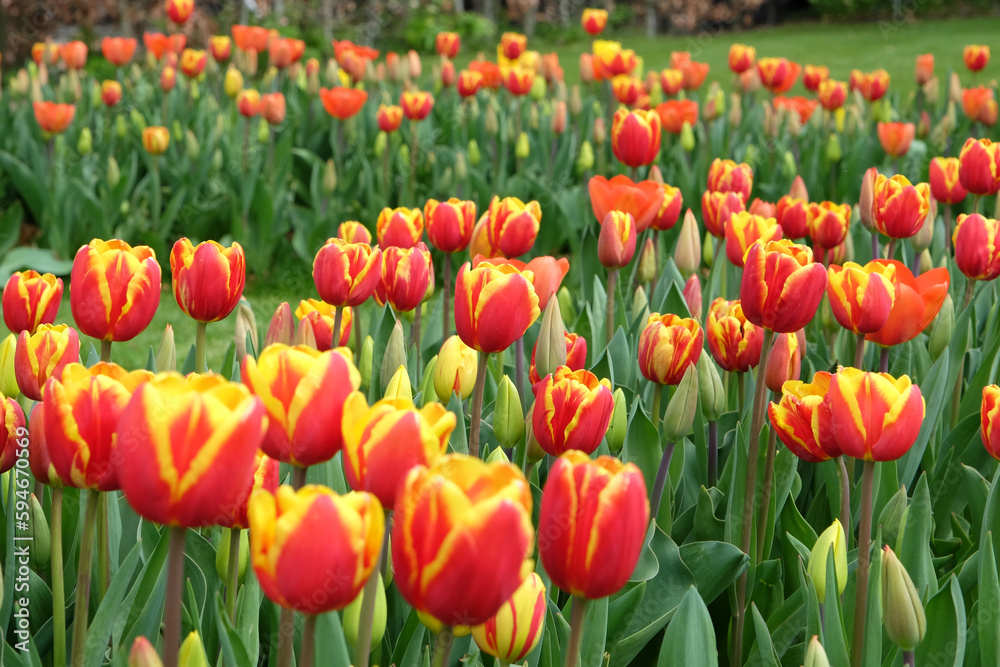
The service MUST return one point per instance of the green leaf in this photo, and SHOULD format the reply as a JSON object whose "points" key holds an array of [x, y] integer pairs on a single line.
{"points": [[622, 609], [714, 565], [936, 384], [944, 643], [230, 643], [595, 630], [765, 647], [989, 601], [690, 637], [914, 547], [834, 634], [28, 184], [99, 632], [330, 641]]}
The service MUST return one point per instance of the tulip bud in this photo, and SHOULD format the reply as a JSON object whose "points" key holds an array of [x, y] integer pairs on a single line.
{"points": [[942, 328], [750, 155], [600, 132], [833, 151], [830, 540], [497, 456], [143, 654], [710, 390], [784, 363], [735, 110], [242, 559], [381, 142], [692, 296], [678, 419], [166, 354], [687, 255], [461, 169], [191, 144], [867, 196], [640, 305], [8, 380], [352, 616], [550, 350], [114, 173], [492, 123], [647, 263], [474, 155], [281, 329], [404, 154], [522, 149], [566, 304], [305, 335], [192, 652], [246, 323], [508, 416], [121, 127], [575, 100], [178, 130], [329, 178], [394, 356], [798, 189], [687, 137], [788, 167], [85, 143], [922, 239], [585, 158], [816, 654], [535, 451], [399, 386], [926, 263], [233, 83], [365, 362], [217, 160], [619, 423], [263, 132], [41, 538], [905, 622], [954, 89]]}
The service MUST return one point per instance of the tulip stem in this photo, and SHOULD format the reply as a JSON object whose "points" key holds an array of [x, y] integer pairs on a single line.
{"points": [[199, 348], [657, 394], [659, 483], [103, 557], [610, 310], [82, 605], [765, 502], [414, 147], [859, 352], [58, 586], [875, 251], [175, 589], [883, 360], [864, 546], [309, 640], [908, 659], [338, 319], [415, 333], [368, 596], [286, 636], [298, 477], [233, 583], [891, 249], [577, 614], [741, 391], [519, 366], [956, 398], [845, 499], [105, 350], [442, 647], [975, 203], [713, 454], [947, 228], [749, 492], [446, 288], [477, 405]]}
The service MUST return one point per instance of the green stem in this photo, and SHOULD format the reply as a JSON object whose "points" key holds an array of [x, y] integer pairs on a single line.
{"points": [[368, 597], [199, 348], [105, 350], [175, 591], [845, 499], [864, 546], [956, 397], [415, 334], [233, 583], [713, 454], [82, 605], [299, 477], [103, 550], [308, 641], [757, 417], [859, 354], [286, 637], [477, 405], [765, 502], [446, 294], [577, 614], [442, 647], [610, 310], [519, 366], [741, 389], [58, 585]]}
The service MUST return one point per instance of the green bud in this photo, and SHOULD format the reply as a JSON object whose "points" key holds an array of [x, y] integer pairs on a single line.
{"points": [[508, 417], [445, 182], [597, 108], [492, 122], [942, 328], [395, 355], [263, 132], [640, 305], [246, 324], [831, 539], [498, 455], [679, 417], [647, 263], [566, 304], [522, 149], [195, 92], [687, 254], [404, 154], [461, 168], [474, 155], [269, 76], [352, 615], [426, 386], [329, 178], [217, 160], [121, 127], [222, 556], [619, 423], [191, 145], [381, 142], [902, 611], [833, 152], [538, 89], [365, 363], [708, 250], [178, 130], [550, 350], [535, 451], [750, 155], [41, 545], [891, 517], [585, 158], [192, 652], [788, 166], [8, 382], [687, 137], [125, 207], [399, 385], [166, 354], [85, 143], [815, 654], [114, 173], [713, 396]]}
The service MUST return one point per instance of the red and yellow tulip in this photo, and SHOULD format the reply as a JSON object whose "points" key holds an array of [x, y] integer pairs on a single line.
{"points": [[616, 242], [322, 317], [593, 21], [667, 346], [946, 187], [407, 276], [813, 76], [447, 44], [781, 286], [31, 299], [979, 166], [977, 248], [179, 11], [402, 227], [494, 305], [416, 104], [42, 355], [265, 479], [743, 229], [828, 223], [976, 56], [730, 176], [861, 298], [512, 225], [899, 208], [741, 58], [990, 419], [832, 94], [734, 342], [353, 231], [778, 74], [717, 208], [346, 273], [635, 136], [389, 117], [449, 223], [12, 422], [576, 356], [572, 411], [801, 419], [792, 214], [784, 363], [516, 628], [208, 279]]}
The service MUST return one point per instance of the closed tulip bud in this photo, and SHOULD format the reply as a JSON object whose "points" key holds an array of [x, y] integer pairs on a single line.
{"points": [[516, 628], [902, 610], [166, 353], [833, 150], [687, 255], [616, 243], [475, 157], [492, 122], [246, 325], [942, 329], [678, 419], [566, 304], [399, 386], [85, 143], [522, 149], [687, 137], [710, 390], [784, 363], [735, 110], [640, 304], [831, 540], [233, 82], [692, 296], [263, 132], [120, 127], [8, 377], [381, 142], [143, 654], [352, 616], [243, 557], [508, 416], [217, 160], [208, 279], [816, 654], [550, 349], [40, 536], [394, 356], [455, 370], [281, 329], [647, 263], [114, 173], [585, 158], [365, 361], [330, 178]]}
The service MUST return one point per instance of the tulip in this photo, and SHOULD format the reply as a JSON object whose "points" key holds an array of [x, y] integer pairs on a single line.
{"points": [[232, 85], [513, 44], [179, 11], [905, 621], [389, 117], [784, 362], [813, 76], [593, 21], [861, 298], [407, 274], [896, 138], [734, 342], [31, 299], [610, 59], [635, 137], [575, 355], [667, 346], [875, 417], [299, 572], [416, 104], [168, 78], [778, 74], [675, 113], [142, 654], [446, 517], [208, 279], [717, 208], [792, 214], [832, 540], [494, 306], [320, 320], [469, 82], [346, 273], [828, 223], [450, 223], [741, 57], [979, 166], [546, 272], [873, 85], [917, 301], [728, 176], [980, 105], [743, 229], [592, 524], [455, 371], [220, 46], [924, 68], [627, 89], [402, 227], [781, 286], [512, 225], [13, 428], [111, 93], [802, 420], [572, 411], [118, 50], [74, 54], [342, 102], [518, 80], [644, 200], [159, 44], [272, 108], [616, 243], [832, 94], [353, 231], [944, 180], [516, 628], [447, 44], [977, 249], [156, 140], [8, 374], [990, 420], [193, 62], [976, 56], [42, 355], [53, 118]]}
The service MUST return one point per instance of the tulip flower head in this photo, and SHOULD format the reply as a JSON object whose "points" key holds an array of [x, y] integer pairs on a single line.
{"points": [[675, 114], [31, 299], [990, 420], [792, 214], [42, 355], [801, 419], [342, 102], [576, 356], [447, 44], [179, 11], [635, 136], [743, 229], [449, 223], [155, 139], [832, 540], [193, 62], [976, 56], [977, 246], [669, 211], [53, 118], [784, 362], [512, 225], [455, 371], [74, 54], [781, 286], [979, 166], [353, 231], [874, 416], [593, 21], [896, 138], [741, 58], [208, 279], [401, 227], [111, 92], [644, 200], [272, 108], [861, 298], [12, 421], [813, 76], [718, 208], [321, 318], [416, 104], [572, 411], [248, 103], [616, 242], [923, 69], [828, 223], [346, 273], [730, 176], [778, 74], [389, 117], [516, 628], [407, 276], [946, 186], [494, 305], [832, 94], [734, 342], [667, 346], [118, 50], [916, 303], [220, 46]]}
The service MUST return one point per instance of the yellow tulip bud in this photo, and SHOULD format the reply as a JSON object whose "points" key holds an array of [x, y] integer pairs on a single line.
{"points": [[831, 539]]}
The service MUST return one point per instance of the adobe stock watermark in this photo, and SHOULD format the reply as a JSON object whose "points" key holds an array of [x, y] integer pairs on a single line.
{"points": [[22, 543]]}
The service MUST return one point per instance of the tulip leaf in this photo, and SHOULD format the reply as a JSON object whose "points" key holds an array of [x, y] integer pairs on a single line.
{"points": [[595, 630], [621, 359], [766, 653], [458, 442], [189, 362], [330, 640], [622, 608], [229, 365], [230, 643], [988, 622], [690, 636], [151, 360], [914, 546], [146, 597], [834, 635], [714, 565], [28, 184], [784, 625], [10, 564], [248, 617], [973, 397], [409, 642], [944, 643], [990, 529], [936, 388]]}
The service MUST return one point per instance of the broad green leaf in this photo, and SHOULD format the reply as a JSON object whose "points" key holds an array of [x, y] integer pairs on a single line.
{"points": [[690, 636], [595, 630], [944, 643], [914, 546], [989, 601], [714, 565], [100, 629]]}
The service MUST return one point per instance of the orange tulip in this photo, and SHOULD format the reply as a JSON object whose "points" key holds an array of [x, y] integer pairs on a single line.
{"points": [[781, 286], [407, 275], [741, 58], [45, 51], [784, 362], [924, 68], [946, 187], [322, 317], [592, 524], [861, 297], [179, 11], [802, 419], [208, 279], [118, 50], [979, 166], [53, 118], [896, 138], [31, 299], [635, 136], [667, 346], [778, 74], [828, 223], [449, 223], [802, 107], [447, 44], [832, 94], [446, 517], [512, 225], [980, 105], [694, 74], [272, 108], [643, 200], [494, 306], [168, 78], [342, 102], [74, 54], [346, 274], [616, 242], [42, 355], [115, 289], [251, 38], [490, 73], [416, 104], [282, 52], [916, 302], [717, 208], [875, 417], [899, 208], [734, 342], [813, 75], [976, 56], [977, 248], [401, 227], [594, 20]]}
